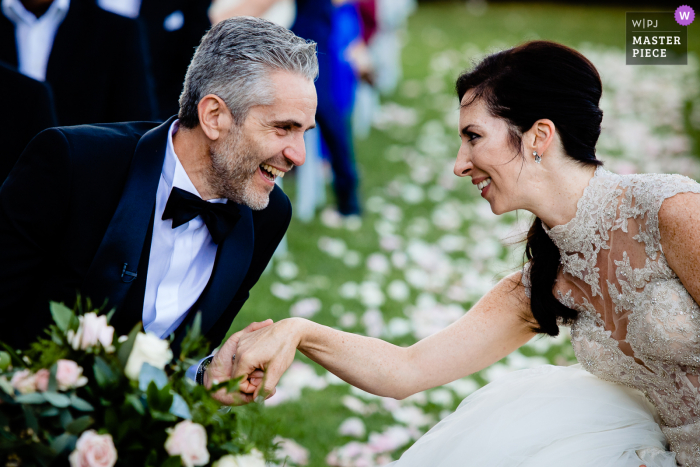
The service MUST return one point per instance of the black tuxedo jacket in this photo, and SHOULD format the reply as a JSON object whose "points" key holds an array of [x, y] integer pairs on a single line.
{"points": [[27, 109], [97, 68], [79, 205]]}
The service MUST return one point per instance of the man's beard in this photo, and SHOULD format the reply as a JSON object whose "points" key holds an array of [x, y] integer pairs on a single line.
{"points": [[234, 163]]}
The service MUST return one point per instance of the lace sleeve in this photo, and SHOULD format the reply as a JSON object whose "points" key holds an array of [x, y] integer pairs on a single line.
{"points": [[644, 199], [525, 280]]}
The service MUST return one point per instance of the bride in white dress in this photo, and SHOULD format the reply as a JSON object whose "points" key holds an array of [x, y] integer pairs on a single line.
{"points": [[615, 257]]}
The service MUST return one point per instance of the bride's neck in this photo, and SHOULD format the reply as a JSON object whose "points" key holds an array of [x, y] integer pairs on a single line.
{"points": [[559, 191]]}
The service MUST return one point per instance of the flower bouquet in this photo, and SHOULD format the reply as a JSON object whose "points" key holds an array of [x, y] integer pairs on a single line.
{"points": [[81, 397]]}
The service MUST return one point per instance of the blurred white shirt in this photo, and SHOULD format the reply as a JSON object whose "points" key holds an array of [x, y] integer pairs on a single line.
{"points": [[34, 35], [128, 8], [181, 259]]}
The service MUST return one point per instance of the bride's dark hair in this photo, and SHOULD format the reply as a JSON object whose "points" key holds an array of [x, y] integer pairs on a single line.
{"points": [[542, 79]]}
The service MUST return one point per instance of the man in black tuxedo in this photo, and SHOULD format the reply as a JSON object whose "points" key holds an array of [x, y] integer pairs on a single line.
{"points": [[32, 111], [94, 61], [164, 220]]}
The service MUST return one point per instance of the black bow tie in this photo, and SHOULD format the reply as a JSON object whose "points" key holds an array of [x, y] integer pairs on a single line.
{"points": [[183, 206]]}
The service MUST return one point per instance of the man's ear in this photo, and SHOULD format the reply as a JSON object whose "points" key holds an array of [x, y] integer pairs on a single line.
{"points": [[214, 116]]}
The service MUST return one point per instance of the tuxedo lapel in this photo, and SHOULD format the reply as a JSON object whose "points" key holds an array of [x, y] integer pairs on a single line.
{"points": [[233, 259], [115, 265], [8, 42]]}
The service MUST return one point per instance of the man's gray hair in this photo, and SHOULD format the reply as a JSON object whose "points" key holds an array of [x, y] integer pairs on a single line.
{"points": [[234, 61]]}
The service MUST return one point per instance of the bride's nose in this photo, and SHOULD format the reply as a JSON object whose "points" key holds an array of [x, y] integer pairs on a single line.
{"points": [[463, 164]]}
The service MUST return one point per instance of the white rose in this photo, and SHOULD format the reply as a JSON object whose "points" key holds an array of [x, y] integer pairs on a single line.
{"points": [[91, 330], [189, 441], [148, 348], [93, 450], [254, 459], [69, 375]]}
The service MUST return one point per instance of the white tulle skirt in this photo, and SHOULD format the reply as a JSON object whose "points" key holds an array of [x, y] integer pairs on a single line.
{"points": [[546, 417]]}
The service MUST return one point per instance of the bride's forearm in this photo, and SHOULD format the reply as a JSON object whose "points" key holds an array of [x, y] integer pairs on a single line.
{"points": [[373, 365]]}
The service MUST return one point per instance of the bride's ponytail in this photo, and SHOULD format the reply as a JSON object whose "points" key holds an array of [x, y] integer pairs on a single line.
{"points": [[542, 79]]}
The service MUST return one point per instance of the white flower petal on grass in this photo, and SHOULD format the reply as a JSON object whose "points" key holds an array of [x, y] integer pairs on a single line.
{"points": [[282, 291], [373, 321], [352, 426], [349, 290], [354, 405], [287, 270], [292, 451], [348, 320], [352, 223], [412, 416], [375, 204], [450, 243], [390, 439], [398, 290], [371, 294], [417, 277], [398, 327], [390, 242], [299, 376], [463, 387], [441, 397], [436, 193], [377, 262], [334, 247], [412, 194], [306, 308], [331, 218], [352, 259], [399, 259]]}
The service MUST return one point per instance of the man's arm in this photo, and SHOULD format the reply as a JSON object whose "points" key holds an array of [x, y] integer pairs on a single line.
{"points": [[32, 210]]}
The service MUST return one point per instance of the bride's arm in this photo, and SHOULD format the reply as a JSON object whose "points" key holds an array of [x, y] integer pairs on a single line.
{"points": [[492, 329]]}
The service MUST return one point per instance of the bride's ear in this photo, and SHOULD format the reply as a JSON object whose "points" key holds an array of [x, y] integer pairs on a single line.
{"points": [[541, 136]]}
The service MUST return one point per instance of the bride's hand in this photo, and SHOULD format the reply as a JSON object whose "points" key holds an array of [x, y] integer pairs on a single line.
{"points": [[221, 368], [270, 349]]}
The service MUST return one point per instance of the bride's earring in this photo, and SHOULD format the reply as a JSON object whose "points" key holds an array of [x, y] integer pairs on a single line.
{"points": [[538, 159]]}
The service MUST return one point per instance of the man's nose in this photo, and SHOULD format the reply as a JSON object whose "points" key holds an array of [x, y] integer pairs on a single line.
{"points": [[296, 152]]}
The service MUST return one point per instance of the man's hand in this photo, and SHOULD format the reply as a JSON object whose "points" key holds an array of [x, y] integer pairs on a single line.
{"points": [[221, 368], [271, 349]]}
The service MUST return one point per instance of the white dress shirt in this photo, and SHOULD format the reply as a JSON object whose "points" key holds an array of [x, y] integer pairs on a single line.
{"points": [[181, 259], [34, 35], [128, 8]]}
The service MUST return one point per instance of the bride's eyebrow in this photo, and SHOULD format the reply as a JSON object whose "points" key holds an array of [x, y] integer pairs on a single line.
{"points": [[468, 129]]}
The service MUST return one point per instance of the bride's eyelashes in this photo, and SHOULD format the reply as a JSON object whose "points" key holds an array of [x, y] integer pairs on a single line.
{"points": [[471, 136]]}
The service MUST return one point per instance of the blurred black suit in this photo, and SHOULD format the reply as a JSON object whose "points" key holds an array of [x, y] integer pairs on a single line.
{"points": [[27, 108], [97, 69], [171, 50]]}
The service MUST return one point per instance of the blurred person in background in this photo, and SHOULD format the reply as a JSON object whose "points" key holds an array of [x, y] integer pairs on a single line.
{"points": [[32, 111], [172, 30], [93, 60]]}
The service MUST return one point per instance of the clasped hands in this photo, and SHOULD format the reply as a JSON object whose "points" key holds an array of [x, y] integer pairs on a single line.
{"points": [[263, 352]]}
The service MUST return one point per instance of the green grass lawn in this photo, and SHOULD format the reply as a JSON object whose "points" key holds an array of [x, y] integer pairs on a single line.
{"points": [[313, 419]]}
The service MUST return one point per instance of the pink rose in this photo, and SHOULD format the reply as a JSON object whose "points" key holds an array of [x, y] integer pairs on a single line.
{"points": [[69, 375], [189, 441], [24, 381], [93, 450], [92, 330], [42, 379]]}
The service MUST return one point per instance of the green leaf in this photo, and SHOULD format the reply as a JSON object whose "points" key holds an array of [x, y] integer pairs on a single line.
{"points": [[174, 461], [103, 373], [5, 360], [110, 314], [65, 417], [64, 442], [128, 345], [136, 403], [7, 387], [31, 398], [80, 404], [53, 385], [50, 412], [16, 360], [30, 418], [79, 425], [61, 315], [56, 399]]}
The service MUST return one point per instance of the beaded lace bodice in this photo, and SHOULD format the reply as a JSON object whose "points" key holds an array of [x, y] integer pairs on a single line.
{"points": [[637, 324]]}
